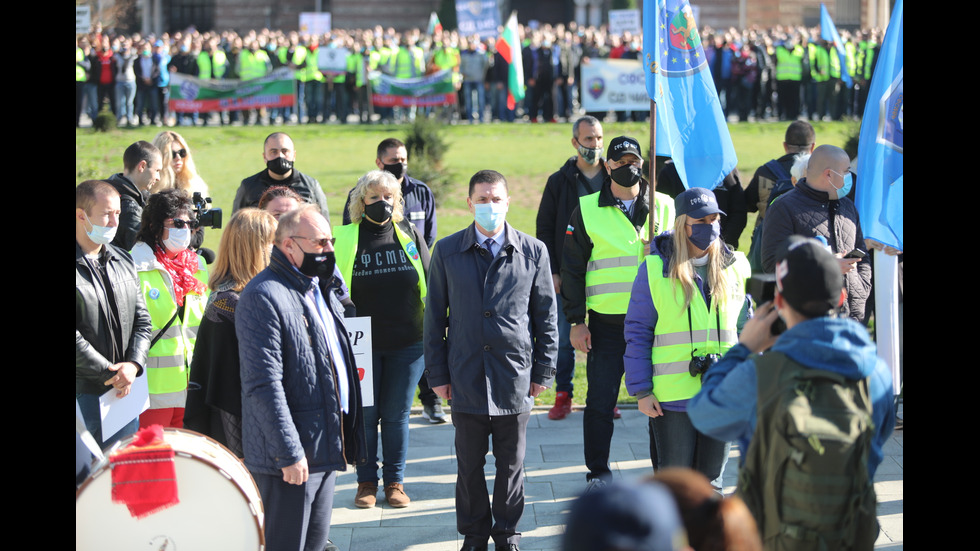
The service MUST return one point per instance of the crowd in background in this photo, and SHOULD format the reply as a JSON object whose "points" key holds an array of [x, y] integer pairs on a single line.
{"points": [[131, 73]]}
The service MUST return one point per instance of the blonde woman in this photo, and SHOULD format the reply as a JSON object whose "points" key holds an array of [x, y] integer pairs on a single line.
{"points": [[178, 165], [384, 260], [687, 303], [214, 403]]}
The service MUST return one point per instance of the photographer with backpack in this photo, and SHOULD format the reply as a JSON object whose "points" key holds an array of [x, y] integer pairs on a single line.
{"points": [[811, 415]]}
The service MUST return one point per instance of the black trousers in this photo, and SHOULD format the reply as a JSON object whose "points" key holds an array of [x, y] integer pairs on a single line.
{"points": [[476, 519]]}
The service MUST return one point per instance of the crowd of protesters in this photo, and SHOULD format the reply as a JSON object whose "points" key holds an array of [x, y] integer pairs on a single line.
{"points": [[781, 73]]}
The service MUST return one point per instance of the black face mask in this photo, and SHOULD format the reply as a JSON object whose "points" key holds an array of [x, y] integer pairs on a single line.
{"points": [[626, 175], [318, 264], [279, 165], [397, 170], [379, 211]]}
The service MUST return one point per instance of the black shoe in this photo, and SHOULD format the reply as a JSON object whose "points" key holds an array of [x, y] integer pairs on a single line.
{"points": [[474, 548], [434, 413], [331, 547]]}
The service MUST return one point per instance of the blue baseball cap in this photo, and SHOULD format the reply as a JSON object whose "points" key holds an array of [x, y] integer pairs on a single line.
{"points": [[696, 202]]}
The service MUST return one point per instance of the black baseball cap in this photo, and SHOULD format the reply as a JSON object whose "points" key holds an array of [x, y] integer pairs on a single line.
{"points": [[808, 277], [622, 145]]}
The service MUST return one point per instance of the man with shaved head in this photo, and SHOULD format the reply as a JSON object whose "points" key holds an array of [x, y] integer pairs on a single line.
{"points": [[818, 207]]}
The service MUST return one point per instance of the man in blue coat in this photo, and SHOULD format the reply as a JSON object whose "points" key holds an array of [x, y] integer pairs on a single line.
{"points": [[491, 340], [301, 400]]}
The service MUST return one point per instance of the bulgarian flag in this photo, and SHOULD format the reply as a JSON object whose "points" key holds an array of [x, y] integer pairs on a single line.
{"points": [[434, 24], [509, 46]]}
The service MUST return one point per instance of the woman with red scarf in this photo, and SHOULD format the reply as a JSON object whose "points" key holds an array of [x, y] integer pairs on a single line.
{"points": [[173, 279]]}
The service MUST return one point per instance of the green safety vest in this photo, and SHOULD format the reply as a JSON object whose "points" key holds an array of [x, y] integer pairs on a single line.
{"points": [[346, 251], [404, 63], [617, 250], [168, 361], [219, 64], [713, 330], [851, 58], [252, 65], [819, 61], [789, 65], [204, 65], [79, 70], [868, 60], [355, 66]]}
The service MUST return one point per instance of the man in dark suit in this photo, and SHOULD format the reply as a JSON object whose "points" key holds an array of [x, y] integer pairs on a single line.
{"points": [[491, 340]]}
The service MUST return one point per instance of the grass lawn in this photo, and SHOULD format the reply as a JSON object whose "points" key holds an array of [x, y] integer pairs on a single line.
{"points": [[337, 155]]}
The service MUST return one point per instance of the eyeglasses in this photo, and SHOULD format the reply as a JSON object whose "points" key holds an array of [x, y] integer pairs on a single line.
{"points": [[180, 223], [321, 242], [182, 153]]}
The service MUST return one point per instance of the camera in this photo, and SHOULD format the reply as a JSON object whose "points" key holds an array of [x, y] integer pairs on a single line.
{"points": [[700, 364], [207, 217]]}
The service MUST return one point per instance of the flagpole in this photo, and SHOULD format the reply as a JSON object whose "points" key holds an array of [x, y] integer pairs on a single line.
{"points": [[653, 169]]}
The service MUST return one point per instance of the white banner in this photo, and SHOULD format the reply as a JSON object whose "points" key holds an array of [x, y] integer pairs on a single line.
{"points": [[313, 22], [332, 60], [614, 84], [83, 20], [359, 330], [624, 20]]}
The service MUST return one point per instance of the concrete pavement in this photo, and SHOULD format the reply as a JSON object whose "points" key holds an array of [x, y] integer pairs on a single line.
{"points": [[555, 476]]}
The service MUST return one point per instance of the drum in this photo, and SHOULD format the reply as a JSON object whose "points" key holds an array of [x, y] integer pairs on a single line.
{"points": [[219, 507]]}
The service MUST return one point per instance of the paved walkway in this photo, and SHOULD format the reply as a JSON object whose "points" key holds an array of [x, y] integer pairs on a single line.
{"points": [[555, 475]]}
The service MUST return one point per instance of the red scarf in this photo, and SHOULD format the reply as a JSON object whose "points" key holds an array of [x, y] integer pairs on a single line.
{"points": [[143, 474], [181, 269]]}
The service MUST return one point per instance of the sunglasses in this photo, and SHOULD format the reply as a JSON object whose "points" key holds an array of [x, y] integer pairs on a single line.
{"points": [[318, 242], [181, 224], [182, 153]]}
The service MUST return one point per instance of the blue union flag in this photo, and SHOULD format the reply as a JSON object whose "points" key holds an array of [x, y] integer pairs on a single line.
{"points": [[691, 127]]}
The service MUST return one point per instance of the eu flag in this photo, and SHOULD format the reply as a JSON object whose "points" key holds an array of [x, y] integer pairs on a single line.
{"points": [[828, 32], [691, 128], [880, 161]]}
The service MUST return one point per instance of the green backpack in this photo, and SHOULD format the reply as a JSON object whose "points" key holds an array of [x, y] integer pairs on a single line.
{"points": [[805, 475]]}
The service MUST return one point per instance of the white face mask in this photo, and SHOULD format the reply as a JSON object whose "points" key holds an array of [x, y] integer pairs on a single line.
{"points": [[100, 235], [178, 240]]}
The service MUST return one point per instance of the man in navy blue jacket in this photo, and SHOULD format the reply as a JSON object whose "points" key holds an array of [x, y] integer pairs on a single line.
{"points": [[301, 401]]}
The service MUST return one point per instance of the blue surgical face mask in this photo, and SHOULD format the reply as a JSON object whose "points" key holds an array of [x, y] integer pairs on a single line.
{"points": [[848, 179], [703, 235], [489, 216], [100, 235], [178, 240]]}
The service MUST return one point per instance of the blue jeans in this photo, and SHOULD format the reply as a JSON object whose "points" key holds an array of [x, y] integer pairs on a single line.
{"points": [[89, 404], [396, 372], [566, 354], [674, 442], [604, 371], [481, 99], [125, 94]]}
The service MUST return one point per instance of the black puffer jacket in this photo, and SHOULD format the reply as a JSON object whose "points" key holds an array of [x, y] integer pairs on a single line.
{"points": [[809, 212]]}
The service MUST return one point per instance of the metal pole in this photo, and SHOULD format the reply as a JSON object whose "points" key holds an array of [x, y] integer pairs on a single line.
{"points": [[653, 168]]}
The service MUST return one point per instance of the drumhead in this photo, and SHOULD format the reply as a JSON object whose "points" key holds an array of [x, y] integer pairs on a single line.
{"points": [[219, 507]]}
